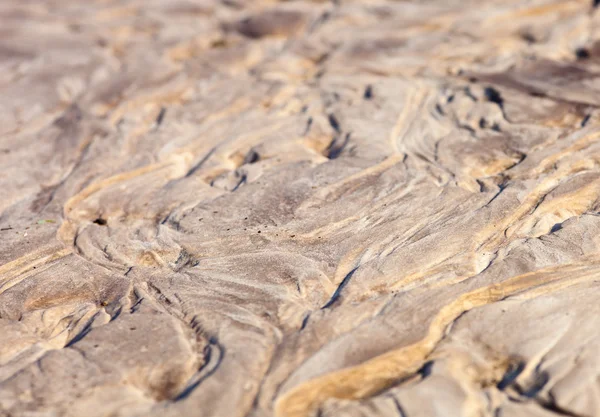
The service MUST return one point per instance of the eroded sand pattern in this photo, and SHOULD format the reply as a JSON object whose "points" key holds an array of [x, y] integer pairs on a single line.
{"points": [[298, 209]]}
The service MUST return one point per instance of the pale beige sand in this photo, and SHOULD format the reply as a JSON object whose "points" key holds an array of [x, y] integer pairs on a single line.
{"points": [[292, 209]]}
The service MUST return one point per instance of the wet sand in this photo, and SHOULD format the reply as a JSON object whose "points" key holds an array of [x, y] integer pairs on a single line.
{"points": [[297, 209]]}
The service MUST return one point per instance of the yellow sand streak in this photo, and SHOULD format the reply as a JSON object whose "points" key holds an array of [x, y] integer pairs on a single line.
{"points": [[16, 271], [176, 165], [377, 374]]}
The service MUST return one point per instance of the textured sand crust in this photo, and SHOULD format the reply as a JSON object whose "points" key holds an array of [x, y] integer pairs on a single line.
{"points": [[292, 209]]}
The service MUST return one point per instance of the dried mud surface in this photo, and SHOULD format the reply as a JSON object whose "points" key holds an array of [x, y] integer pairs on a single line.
{"points": [[292, 209]]}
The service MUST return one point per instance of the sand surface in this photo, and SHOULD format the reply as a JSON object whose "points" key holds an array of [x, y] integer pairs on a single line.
{"points": [[296, 209]]}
